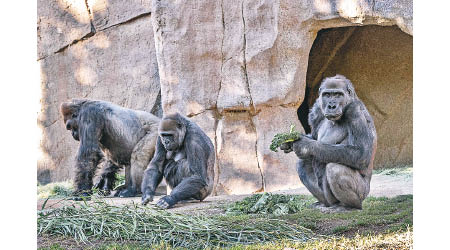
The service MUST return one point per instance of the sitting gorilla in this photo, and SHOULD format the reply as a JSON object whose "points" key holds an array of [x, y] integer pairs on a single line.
{"points": [[336, 159], [121, 136], [185, 158]]}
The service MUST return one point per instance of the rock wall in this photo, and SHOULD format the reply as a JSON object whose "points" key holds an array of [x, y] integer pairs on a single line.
{"points": [[238, 68]]}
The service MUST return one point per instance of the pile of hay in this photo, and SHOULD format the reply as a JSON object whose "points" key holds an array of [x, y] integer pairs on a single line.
{"points": [[99, 220]]}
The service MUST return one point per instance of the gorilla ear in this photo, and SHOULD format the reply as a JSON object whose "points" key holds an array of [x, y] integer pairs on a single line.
{"points": [[351, 90]]}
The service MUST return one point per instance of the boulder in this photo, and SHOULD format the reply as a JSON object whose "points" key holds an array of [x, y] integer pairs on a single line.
{"points": [[279, 169], [239, 169], [188, 39]]}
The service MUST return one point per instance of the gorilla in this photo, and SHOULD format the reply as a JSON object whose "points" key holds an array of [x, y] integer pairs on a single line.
{"points": [[185, 158], [107, 132], [336, 158]]}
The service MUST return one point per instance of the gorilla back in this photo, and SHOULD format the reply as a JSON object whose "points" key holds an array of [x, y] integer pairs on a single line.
{"points": [[123, 136]]}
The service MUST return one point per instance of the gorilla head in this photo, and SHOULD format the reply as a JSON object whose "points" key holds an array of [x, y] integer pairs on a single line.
{"points": [[335, 93], [70, 111], [172, 132]]}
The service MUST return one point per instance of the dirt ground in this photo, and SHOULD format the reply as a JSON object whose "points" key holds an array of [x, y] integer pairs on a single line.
{"points": [[381, 185]]}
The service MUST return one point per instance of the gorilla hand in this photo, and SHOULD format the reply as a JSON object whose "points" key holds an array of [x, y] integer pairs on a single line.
{"points": [[127, 192], [147, 197], [100, 183], [286, 147], [303, 147], [166, 202], [102, 186]]}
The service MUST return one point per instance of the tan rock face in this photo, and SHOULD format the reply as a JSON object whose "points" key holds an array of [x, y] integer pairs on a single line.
{"points": [[279, 169], [109, 13], [108, 66], [188, 44], [236, 147], [59, 24], [237, 68]]}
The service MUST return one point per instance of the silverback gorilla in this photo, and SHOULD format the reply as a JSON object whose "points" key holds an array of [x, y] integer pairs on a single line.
{"points": [[120, 136], [336, 159], [185, 158]]}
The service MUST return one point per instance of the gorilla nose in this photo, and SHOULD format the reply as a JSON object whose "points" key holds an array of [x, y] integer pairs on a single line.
{"points": [[332, 106]]}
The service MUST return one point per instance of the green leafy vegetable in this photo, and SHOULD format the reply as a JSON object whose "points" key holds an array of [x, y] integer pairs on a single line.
{"points": [[268, 203], [281, 138]]}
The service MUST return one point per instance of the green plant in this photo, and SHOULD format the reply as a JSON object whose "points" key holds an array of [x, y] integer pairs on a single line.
{"points": [[55, 190], [268, 203], [281, 138]]}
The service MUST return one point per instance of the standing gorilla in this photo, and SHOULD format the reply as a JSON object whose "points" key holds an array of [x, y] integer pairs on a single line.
{"points": [[185, 158], [124, 137], [336, 159]]}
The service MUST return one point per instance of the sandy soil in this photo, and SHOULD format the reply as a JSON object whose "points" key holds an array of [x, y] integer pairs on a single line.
{"points": [[381, 185]]}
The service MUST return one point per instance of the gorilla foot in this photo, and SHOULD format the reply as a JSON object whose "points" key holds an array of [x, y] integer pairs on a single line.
{"points": [[127, 193], [81, 196], [318, 205], [336, 208], [104, 192], [166, 202]]}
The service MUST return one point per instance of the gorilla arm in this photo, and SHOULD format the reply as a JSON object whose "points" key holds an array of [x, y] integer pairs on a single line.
{"points": [[153, 174], [89, 155], [356, 154]]}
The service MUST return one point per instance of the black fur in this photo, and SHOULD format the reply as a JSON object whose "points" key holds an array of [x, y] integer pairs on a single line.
{"points": [[107, 131], [337, 147], [188, 168]]}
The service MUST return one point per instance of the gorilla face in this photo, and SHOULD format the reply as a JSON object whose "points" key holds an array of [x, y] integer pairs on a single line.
{"points": [[72, 124], [70, 111], [333, 98], [168, 140], [333, 102], [172, 134]]}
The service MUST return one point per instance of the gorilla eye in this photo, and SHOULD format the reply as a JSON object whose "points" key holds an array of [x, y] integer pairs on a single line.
{"points": [[74, 115], [326, 94]]}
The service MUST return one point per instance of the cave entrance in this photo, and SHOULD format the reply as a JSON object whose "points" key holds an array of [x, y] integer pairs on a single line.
{"points": [[378, 61]]}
